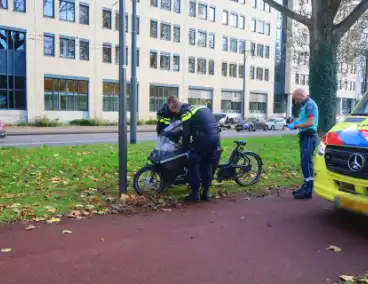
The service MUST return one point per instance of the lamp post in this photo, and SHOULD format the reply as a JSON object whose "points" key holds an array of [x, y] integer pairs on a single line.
{"points": [[133, 81], [242, 110]]}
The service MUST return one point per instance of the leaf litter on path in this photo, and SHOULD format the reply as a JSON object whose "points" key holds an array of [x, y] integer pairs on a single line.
{"points": [[334, 249], [5, 250], [66, 232], [30, 227]]}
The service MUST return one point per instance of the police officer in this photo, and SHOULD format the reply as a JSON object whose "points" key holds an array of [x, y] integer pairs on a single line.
{"points": [[199, 124], [164, 116], [307, 125]]}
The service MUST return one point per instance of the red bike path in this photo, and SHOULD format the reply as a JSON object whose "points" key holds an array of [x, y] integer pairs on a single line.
{"points": [[274, 240]]}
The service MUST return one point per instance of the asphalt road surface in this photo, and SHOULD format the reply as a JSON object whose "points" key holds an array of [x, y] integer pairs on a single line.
{"points": [[275, 240], [78, 139]]}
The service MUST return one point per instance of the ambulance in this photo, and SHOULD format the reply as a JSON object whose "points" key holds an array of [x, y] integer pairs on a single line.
{"points": [[341, 162]]}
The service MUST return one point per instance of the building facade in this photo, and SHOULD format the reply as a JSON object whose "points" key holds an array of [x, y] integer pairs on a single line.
{"points": [[59, 59]]}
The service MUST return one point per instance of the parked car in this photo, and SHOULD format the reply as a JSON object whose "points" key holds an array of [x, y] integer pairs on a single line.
{"points": [[260, 123], [275, 123], [245, 125], [2, 130]]}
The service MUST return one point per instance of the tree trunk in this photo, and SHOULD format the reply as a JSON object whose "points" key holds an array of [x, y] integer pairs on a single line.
{"points": [[323, 79]]}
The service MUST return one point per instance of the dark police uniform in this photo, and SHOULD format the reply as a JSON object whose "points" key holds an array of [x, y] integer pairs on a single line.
{"points": [[200, 124]]}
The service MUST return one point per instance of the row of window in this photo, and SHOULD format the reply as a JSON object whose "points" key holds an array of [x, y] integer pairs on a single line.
{"points": [[199, 38], [107, 21], [12, 92], [301, 58], [18, 5], [239, 1], [107, 54], [201, 66], [261, 27], [165, 61], [347, 68], [259, 73], [168, 5], [111, 94], [67, 11], [231, 69], [261, 5], [346, 85], [232, 19], [12, 40], [301, 79], [205, 12], [165, 31]]}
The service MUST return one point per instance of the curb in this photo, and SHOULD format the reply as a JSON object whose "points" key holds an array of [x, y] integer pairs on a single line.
{"points": [[8, 134]]}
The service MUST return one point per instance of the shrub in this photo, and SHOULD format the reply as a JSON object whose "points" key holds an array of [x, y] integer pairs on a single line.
{"points": [[91, 122], [151, 122], [45, 122], [140, 122]]}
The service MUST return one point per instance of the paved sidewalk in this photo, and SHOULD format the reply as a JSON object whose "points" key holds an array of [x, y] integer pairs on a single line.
{"points": [[20, 131], [275, 240]]}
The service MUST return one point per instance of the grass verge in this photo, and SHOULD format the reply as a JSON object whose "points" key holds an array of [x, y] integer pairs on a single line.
{"points": [[40, 183]]}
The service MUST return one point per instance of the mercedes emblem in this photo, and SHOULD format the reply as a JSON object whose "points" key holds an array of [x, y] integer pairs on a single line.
{"points": [[356, 162]]}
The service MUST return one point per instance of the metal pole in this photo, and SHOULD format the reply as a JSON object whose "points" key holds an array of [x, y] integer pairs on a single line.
{"points": [[123, 149], [133, 81], [365, 80], [244, 82]]}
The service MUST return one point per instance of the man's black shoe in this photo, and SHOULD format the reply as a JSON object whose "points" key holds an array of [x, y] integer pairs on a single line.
{"points": [[302, 195], [192, 198]]}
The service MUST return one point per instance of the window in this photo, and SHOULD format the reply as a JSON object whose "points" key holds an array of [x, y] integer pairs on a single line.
{"points": [[106, 19], [267, 29], [67, 48], [231, 102], [159, 95], [224, 43], [253, 48], [117, 22], [83, 50], [260, 5], [202, 11], [242, 1], [259, 74], [83, 14], [117, 55], [201, 66], [241, 71], [241, 46], [303, 79], [267, 51], [297, 78], [192, 37], [202, 39], [12, 92], [166, 5], [233, 45], [232, 70], [225, 17], [48, 8], [65, 94], [3, 5], [251, 73], [266, 74], [154, 3], [192, 9], [11, 40], [107, 53], [257, 107], [20, 5], [233, 20], [260, 27], [165, 31], [153, 59], [242, 22], [137, 25], [211, 40], [153, 29], [254, 25], [137, 58], [176, 63], [66, 11], [177, 6], [176, 33], [260, 50], [49, 45], [191, 65], [224, 69], [211, 67], [164, 61], [254, 3], [212, 14]]}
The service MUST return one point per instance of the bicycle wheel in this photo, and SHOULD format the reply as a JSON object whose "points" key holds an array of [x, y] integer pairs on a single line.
{"points": [[153, 181], [242, 173]]}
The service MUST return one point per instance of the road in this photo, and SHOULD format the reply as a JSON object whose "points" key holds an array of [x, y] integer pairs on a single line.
{"points": [[78, 139], [275, 240]]}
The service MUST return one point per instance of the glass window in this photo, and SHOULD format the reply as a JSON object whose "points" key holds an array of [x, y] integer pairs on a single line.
{"points": [[20, 5], [260, 27], [211, 67], [241, 71], [176, 63], [232, 70], [242, 22], [224, 43], [233, 20], [266, 74], [111, 94], [254, 25], [241, 46], [191, 65], [259, 74], [267, 29], [201, 66], [260, 4], [12, 92], [126, 23], [16, 41], [267, 51], [202, 11], [153, 29], [3, 5], [164, 62], [66, 11], [117, 21], [165, 31], [192, 9], [211, 40], [159, 95], [67, 48], [202, 39], [251, 73], [153, 59], [177, 6], [224, 69], [253, 48], [166, 5], [117, 55], [254, 3], [84, 50], [233, 45], [154, 3], [49, 46], [231, 102], [260, 48], [107, 54], [137, 25], [212, 14], [225, 17], [192, 37], [48, 8], [297, 78], [84, 14], [176, 34], [106, 19]]}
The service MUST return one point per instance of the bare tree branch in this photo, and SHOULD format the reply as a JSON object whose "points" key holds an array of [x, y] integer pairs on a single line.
{"points": [[341, 28], [289, 13]]}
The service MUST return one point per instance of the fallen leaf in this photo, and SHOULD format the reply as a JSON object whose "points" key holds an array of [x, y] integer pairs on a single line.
{"points": [[247, 198], [6, 250], [242, 217], [334, 248], [51, 210], [29, 227], [38, 219], [53, 220], [79, 206], [167, 209], [67, 232], [102, 239], [346, 278]]}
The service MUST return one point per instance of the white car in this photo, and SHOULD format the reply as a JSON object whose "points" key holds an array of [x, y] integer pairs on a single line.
{"points": [[276, 123]]}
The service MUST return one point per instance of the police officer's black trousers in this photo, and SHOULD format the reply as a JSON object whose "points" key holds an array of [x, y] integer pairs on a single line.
{"points": [[201, 159]]}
